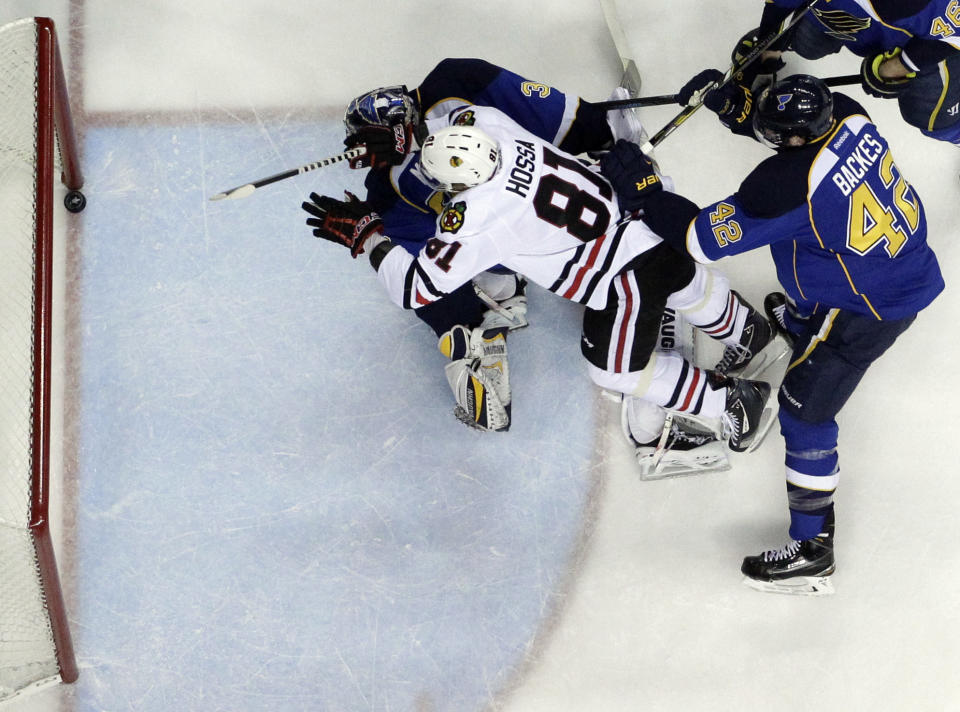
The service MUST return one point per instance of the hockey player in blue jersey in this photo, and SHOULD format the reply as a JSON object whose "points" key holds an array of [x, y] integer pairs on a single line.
{"points": [[848, 237], [910, 51], [391, 121]]}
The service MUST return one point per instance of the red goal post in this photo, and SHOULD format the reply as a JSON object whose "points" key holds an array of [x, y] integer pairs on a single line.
{"points": [[36, 136]]}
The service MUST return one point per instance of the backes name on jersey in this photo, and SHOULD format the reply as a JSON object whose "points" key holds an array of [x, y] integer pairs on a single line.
{"points": [[850, 172], [521, 175]]}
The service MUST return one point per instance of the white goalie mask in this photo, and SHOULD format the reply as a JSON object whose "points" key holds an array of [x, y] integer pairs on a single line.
{"points": [[459, 157]]}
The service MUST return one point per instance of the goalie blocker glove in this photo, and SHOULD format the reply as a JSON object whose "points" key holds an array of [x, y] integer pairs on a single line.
{"points": [[883, 87], [350, 223]]}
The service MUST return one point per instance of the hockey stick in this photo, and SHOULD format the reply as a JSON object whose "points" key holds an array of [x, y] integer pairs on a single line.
{"points": [[494, 306], [749, 59], [242, 191], [841, 81]]}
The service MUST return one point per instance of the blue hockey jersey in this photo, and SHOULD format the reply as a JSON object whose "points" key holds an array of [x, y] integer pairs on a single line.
{"points": [[927, 31], [844, 226]]}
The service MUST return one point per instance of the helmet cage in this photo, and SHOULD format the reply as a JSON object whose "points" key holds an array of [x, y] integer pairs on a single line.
{"points": [[386, 106]]}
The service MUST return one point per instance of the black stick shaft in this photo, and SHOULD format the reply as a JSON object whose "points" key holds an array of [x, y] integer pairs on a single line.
{"points": [[663, 99]]}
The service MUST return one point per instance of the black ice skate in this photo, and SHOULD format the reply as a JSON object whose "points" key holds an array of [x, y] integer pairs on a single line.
{"points": [[775, 306], [800, 567], [757, 333], [746, 417]]}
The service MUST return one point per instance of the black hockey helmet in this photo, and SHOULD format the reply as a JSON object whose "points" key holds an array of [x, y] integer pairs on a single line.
{"points": [[386, 106], [800, 105]]}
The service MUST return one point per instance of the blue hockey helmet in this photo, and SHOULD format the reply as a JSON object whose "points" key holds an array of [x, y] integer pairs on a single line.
{"points": [[800, 105], [386, 106]]}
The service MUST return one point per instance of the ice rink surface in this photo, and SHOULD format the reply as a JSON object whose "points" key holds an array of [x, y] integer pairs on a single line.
{"points": [[267, 504]]}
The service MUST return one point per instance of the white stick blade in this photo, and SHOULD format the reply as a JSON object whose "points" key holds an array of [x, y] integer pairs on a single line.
{"points": [[242, 192]]}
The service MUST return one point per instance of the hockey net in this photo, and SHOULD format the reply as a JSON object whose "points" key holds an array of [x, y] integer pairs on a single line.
{"points": [[36, 138]]}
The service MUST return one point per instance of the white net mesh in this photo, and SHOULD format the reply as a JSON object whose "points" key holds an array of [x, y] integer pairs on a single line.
{"points": [[27, 653]]}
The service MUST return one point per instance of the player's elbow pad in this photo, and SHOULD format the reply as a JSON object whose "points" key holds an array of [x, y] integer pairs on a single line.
{"points": [[380, 251], [669, 215]]}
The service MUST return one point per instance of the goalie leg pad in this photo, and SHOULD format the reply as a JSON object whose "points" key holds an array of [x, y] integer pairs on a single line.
{"points": [[479, 376]]}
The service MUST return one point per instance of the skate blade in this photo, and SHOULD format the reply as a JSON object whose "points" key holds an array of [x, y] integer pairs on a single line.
{"points": [[797, 586], [770, 355], [664, 473], [660, 468], [766, 422]]}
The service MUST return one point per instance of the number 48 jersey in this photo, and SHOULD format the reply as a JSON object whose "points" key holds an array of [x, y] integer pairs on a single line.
{"points": [[544, 214]]}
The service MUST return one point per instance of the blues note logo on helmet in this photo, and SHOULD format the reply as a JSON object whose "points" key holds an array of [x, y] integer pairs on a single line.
{"points": [[782, 100], [793, 112]]}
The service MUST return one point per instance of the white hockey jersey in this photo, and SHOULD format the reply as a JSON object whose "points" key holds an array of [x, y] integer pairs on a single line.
{"points": [[544, 214]]}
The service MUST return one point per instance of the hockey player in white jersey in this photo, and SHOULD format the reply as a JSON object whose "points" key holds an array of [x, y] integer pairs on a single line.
{"points": [[517, 201]]}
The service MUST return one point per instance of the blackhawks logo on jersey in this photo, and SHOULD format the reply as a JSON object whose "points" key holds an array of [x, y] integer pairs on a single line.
{"points": [[465, 119], [451, 219]]}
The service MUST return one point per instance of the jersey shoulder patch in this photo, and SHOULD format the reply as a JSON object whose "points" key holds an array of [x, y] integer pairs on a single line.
{"points": [[451, 219], [465, 118]]}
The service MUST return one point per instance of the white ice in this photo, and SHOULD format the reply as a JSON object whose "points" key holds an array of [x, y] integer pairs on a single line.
{"points": [[267, 504]]}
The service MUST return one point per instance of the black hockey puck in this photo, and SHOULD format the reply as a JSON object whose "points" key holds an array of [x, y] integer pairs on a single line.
{"points": [[75, 201]]}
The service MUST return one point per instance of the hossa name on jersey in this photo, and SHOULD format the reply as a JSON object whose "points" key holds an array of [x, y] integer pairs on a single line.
{"points": [[545, 214]]}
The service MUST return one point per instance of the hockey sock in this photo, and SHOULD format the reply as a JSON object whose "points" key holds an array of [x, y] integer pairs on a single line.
{"points": [[678, 385], [708, 303], [812, 471]]}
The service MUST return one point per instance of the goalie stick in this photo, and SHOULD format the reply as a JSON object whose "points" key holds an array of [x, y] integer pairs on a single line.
{"points": [[242, 191], [663, 99], [749, 59]]}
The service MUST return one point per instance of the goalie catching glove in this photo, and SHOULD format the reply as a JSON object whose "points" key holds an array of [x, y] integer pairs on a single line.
{"points": [[350, 223]]}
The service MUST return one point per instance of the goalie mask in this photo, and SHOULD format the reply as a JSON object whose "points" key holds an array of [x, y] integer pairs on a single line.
{"points": [[459, 157], [800, 105], [387, 106]]}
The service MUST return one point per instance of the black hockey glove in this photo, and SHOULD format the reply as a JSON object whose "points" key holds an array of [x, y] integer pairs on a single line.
{"points": [[386, 145], [347, 223], [732, 102], [766, 68], [631, 174], [699, 88], [882, 87]]}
